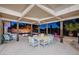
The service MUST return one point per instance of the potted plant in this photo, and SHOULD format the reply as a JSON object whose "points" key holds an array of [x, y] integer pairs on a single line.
{"points": [[70, 27]]}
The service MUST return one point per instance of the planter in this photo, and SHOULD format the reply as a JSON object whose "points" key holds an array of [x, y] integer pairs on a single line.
{"points": [[70, 34], [78, 34]]}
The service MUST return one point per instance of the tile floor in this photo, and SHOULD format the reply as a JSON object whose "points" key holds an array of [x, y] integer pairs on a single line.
{"points": [[22, 48]]}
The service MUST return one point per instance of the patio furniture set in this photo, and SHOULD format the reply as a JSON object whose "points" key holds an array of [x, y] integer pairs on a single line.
{"points": [[35, 40], [41, 40], [9, 36]]}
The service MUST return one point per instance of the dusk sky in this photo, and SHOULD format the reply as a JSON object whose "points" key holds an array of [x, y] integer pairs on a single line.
{"points": [[53, 24]]}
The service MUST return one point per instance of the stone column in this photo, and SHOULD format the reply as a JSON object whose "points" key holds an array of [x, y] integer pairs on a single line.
{"points": [[61, 31], [1, 32], [31, 29], [17, 31], [78, 36], [47, 29], [38, 29]]}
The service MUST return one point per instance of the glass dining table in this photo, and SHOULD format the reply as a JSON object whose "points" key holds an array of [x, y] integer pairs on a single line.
{"points": [[42, 39]]}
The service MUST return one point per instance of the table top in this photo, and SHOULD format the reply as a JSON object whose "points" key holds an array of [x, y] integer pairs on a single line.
{"points": [[41, 37]]}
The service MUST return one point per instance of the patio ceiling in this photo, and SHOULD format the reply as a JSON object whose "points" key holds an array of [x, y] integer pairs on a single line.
{"points": [[39, 13], [57, 7], [8, 16], [16, 7]]}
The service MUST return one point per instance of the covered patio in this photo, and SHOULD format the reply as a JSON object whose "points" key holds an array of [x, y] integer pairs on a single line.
{"points": [[34, 20]]}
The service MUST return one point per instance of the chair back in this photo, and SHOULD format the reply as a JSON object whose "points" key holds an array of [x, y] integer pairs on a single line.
{"points": [[6, 37]]}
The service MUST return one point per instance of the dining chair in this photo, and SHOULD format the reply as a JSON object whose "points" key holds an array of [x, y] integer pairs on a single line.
{"points": [[6, 37], [43, 43], [33, 42], [50, 39], [56, 37]]}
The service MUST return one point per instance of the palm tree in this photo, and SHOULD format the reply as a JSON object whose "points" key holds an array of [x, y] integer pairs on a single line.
{"points": [[77, 27], [70, 27]]}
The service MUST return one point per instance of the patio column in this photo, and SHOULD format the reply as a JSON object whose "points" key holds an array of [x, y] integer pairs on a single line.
{"points": [[61, 31], [17, 31], [78, 37], [46, 28], [38, 29], [31, 29], [2, 41]]}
